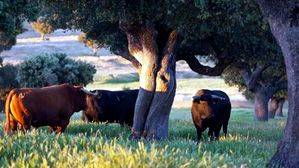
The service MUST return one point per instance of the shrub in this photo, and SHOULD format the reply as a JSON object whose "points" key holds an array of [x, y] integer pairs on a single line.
{"points": [[42, 27], [45, 70], [8, 75]]}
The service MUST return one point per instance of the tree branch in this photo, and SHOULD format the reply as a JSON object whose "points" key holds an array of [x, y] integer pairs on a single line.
{"points": [[126, 55], [197, 67], [251, 78]]}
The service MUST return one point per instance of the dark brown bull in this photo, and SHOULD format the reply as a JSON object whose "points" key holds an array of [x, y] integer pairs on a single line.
{"points": [[49, 106], [210, 109]]}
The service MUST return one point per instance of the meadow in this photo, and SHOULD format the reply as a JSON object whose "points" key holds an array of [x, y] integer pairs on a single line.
{"points": [[249, 144]]}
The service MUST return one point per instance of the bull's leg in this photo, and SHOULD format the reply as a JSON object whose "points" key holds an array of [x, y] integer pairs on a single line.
{"points": [[10, 126], [210, 133], [225, 128], [217, 131], [199, 132], [52, 128], [25, 128], [61, 128]]}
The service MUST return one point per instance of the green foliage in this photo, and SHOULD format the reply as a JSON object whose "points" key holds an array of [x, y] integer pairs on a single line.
{"points": [[44, 70], [42, 27], [249, 144], [92, 44], [12, 14], [207, 27], [8, 81]]}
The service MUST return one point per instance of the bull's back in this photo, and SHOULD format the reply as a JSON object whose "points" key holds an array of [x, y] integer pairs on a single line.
{"points": [[44, 105], [223, 108], [120, 105]]}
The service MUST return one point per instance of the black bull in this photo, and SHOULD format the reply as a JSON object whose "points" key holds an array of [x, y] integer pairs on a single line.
{"points": [[211, 109], [114, 107]]}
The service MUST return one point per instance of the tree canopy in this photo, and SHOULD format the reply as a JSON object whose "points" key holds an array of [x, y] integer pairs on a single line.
{"points": [[42, 27], [213, 28], [12, 15]]}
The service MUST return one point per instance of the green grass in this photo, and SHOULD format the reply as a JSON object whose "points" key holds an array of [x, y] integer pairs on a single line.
{"points": [[119, 78], [99, 145]]}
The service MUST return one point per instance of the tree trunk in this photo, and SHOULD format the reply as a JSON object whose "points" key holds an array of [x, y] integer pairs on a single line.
{"points": [[280, 107], [157, 81], [261, 99], [156, 126], [283, 19], [272, 107], [43, 37]]}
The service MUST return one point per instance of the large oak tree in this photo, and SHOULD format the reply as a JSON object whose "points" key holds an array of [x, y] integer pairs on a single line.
{"points": [[283, 17], [153, 35]]}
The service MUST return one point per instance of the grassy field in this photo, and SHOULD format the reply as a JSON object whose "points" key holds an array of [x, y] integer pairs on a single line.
{"points": [[249, 144], [184, 86]]}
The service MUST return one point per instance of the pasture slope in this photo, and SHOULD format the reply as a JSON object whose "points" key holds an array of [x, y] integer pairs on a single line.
{"points": [[249, 144]]}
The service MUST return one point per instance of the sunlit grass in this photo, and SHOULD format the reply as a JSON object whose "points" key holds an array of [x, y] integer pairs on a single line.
{"points": [[99, 145]]}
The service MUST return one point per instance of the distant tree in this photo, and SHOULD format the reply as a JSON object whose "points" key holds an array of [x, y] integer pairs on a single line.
{"points": [[92, 44], [42, 27], [283, 17], [153, 35], [276, 104], [12, 15], [45, 70], [259, 79]]}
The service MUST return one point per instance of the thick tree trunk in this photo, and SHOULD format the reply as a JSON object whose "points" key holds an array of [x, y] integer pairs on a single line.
{"points": [[279, 111], [261, 99], [272, 107], [157, 81], [156, 126], [283, 18]]}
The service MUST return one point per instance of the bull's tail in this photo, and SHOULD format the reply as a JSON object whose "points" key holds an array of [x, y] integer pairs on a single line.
{"points": [[7, 126]]}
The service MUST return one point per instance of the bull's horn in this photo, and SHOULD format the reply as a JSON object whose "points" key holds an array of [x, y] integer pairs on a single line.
{"points": [[88, 92], [217, 97], [196, 97]]}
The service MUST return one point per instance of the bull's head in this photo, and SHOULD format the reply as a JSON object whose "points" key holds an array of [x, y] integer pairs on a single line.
{"points": [[208, 98], [81, 95]]}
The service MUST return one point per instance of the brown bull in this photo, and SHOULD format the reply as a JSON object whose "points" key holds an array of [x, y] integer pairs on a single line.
{"points": [[49, 106]]}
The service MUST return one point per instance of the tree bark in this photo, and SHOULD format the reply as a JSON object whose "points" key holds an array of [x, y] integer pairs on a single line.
{"points": [[279, 111], [156, 126], [157, 80], [261, 99], [284, 23], [272, 107]]}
